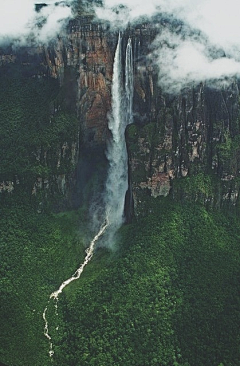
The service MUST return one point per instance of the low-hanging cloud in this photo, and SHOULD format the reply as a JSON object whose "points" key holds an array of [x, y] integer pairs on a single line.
{"points": [[183, 58], [184, 61], [22, 24]]}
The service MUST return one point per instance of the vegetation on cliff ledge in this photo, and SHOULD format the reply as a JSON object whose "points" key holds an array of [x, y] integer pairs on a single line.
{"points": [[167, 296], [35, 124]]}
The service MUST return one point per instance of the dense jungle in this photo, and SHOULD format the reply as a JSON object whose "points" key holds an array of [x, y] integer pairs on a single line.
{"points": [[166, 292]]}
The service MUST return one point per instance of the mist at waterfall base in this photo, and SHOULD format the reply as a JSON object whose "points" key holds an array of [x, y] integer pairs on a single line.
{"points": [[199, 41]]}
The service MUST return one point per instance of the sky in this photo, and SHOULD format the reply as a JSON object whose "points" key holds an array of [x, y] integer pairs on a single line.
{"points": [[181, 58]]}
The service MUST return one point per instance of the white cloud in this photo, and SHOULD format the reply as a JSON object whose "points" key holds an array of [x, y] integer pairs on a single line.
{"points": [[219, 19], [184, 61], [189, 59], [130, 11], [18, 19], [14, 17], [56, 17]]}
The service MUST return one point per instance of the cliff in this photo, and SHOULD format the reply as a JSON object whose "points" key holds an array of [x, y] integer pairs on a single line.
{"points": [[190, 148], [168, 293], [184, 145]]}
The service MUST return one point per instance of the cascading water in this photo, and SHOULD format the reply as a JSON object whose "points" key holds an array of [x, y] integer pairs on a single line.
{"points": [[117, 180], [75, 276], [116, 184], [129, 82]]}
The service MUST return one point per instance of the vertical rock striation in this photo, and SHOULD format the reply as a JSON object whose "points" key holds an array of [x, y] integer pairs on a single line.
{"points": [[171, 138]]}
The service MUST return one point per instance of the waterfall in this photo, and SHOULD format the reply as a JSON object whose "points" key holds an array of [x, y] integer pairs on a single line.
{"points": [[121, 116], [117, 180], [116, 184], [129, 82]]}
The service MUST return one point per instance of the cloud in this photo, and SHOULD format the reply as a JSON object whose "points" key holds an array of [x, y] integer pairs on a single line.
{"points": [[20, 22], [56, 17], [218, 19], [121, 13], [184, 61], [183, 58]]}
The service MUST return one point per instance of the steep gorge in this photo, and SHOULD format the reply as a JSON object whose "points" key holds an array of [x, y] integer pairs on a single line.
{"points": [[172, 137]]}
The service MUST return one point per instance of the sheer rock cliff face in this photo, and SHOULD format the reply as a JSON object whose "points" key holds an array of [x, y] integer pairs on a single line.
{"points": [[87, 51], [192, 135], [173, 138]]}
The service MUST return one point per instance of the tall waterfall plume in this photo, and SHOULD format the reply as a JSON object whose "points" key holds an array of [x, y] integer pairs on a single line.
{"points": [[117, 180], [121, 116], [129, 82]]}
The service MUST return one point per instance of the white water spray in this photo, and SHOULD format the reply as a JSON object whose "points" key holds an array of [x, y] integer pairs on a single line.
{"points": [[117, 180], [129, 82]]}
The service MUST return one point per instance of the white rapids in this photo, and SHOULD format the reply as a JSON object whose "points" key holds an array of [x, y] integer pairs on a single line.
{"points": [[46, 333], [77, 274], [54, 295]]}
